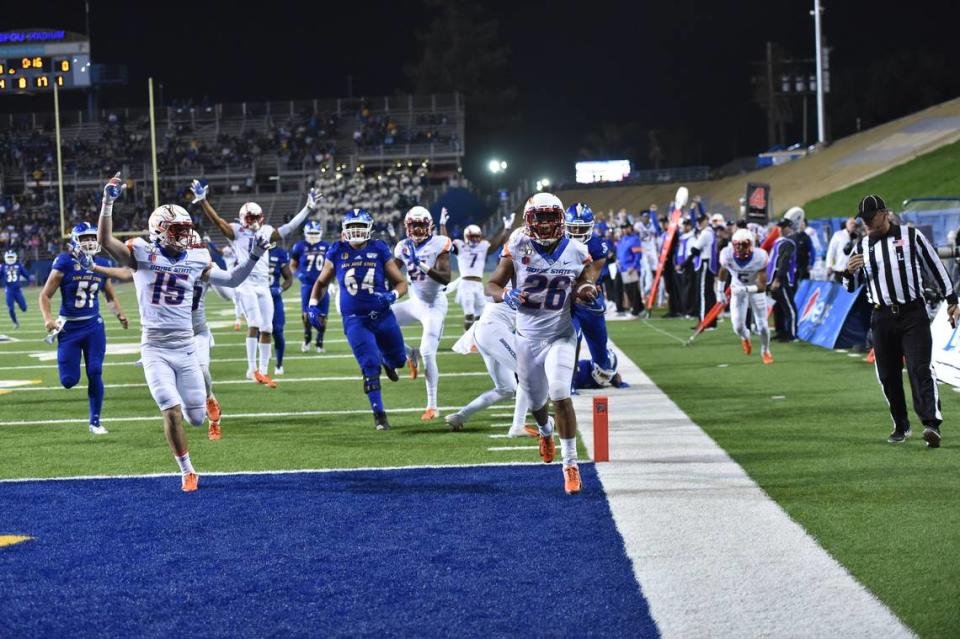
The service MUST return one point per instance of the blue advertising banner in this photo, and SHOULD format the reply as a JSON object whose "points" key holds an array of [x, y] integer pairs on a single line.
{"points": [[824, 309]]}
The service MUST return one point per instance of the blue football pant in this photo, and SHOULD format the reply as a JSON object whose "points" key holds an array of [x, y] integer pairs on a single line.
{"points": [[375, 342], [324, 306], [594, 330], [279, 321], [86, 338], [15, 297]]}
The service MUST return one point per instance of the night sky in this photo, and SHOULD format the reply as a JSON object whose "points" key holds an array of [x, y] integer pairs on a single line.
{"points": [[680, 67]]}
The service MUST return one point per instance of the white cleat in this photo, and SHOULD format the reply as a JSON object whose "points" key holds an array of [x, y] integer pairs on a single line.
{"points": [[278, 371], [97, 429], [250, 374], [455, 421], [320, 349], [305, 347], [517, 432]]}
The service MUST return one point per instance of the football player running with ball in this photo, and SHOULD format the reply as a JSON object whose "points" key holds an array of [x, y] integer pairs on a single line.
{"points": [[254, 295], [427, 259], [362, 268], [744, 266], [550, 271], [168, 269]]}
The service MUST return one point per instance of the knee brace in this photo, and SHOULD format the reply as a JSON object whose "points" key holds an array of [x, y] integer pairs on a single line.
{"points": [[371, 384]]}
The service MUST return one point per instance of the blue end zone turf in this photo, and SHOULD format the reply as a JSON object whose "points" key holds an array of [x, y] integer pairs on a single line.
{"points": [[480, 551]]}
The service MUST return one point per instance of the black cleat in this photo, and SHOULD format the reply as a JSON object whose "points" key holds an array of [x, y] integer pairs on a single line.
{"points": [[380, 421], [898, 437], [391, 373], [931, 435]]}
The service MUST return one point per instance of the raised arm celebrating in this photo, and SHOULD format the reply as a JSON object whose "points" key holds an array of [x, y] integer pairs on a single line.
{"points": [[114, 247]]}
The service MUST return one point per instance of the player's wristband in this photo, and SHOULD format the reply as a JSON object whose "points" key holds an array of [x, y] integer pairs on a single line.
{"points": [[752, 288], [106, 210], [314, 302]]}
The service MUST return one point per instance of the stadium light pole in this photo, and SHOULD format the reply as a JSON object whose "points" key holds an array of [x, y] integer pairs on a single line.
{"points": [[821, 135]]}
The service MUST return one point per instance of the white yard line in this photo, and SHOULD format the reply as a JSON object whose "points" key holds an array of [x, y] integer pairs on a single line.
{"points": [[231, 416], [714, 555], [228, 382], [500, 448]]}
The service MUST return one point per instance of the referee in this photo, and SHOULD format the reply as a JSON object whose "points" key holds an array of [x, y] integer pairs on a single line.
{"points": [[892, 260]]}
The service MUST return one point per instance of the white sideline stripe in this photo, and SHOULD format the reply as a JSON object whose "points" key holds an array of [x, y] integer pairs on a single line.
{"points": [[499, 448], [298, 471], [232, 416], [279, 380], [214, 360], [501, 415], [713, 554]]}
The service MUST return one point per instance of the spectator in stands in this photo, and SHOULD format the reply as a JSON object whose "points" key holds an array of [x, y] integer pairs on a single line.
{"points": [[838, 251]]}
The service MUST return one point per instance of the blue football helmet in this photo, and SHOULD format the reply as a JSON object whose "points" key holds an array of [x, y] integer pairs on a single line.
{"points": [[578, 222], [313, 231], [357, 226], [603, 376], [10, 257], [83, 239]]}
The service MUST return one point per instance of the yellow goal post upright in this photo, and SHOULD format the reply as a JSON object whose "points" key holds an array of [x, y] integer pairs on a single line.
{"points": [[153, 161]]}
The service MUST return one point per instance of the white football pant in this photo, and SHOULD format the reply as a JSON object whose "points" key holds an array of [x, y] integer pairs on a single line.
{"points": [[470, 295], [740, 301], [545, 368], [175, 379], [256, 303], [431, 318]]}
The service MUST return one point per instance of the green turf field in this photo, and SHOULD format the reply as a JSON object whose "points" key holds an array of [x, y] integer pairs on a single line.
{"points": [[811, 430], [317, 417], [934, 174]]}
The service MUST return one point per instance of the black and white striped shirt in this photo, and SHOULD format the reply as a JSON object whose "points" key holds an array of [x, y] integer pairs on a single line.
{"points": [[896, 266]]}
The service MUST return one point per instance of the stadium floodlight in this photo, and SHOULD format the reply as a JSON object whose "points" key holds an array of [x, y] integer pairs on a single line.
{"points": [[496, 166], [503, 165], [545, 182]]}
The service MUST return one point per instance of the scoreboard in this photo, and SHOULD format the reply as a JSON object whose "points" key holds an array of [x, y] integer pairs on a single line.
{"points": [[37, 60]]}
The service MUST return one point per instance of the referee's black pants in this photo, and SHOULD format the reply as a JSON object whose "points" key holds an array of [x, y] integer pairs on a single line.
{"points": [[706, 295], [906, 333]]}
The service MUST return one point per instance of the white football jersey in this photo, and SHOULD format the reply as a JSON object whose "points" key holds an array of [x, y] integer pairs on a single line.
{"points": [[165, 289], [742, 275], [199, 311], [422, 286], [243, 242], [471, 258], [548, 280]]}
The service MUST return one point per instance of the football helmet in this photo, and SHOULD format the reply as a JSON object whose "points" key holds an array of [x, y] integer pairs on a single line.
{"points": [[10, 257], [357, 226], [717, 220], [796, 216], [543, 218], [578, 222], [742, 242], [251, 216], [472, 235], [83, 239], [419, 223], [195, 240], [171, 227], [603, 376], [313, 231]]}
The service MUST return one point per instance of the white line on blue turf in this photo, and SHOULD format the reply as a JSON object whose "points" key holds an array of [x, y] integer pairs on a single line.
{"points": [[279, 380], [293, 471]]}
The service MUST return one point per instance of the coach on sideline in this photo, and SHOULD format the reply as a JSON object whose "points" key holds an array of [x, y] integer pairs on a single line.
{"points": [[890, 260]]}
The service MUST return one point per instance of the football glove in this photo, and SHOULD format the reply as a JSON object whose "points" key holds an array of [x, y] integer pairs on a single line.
{"points": [[386, 299], [444, 216], [313, 199], [113, 190], [508, 221], [314, 317], [261, 246], [199, 190], [514, 298]]}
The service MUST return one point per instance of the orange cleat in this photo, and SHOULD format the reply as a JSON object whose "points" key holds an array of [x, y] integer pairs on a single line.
{"points": [[548, 449], [213, 409], [747, 346], [531, 431], [430, 413], [264, 379], [414, 369], [767, 358], [236, 325], [189, 482], [213, 431], [571, 480]]}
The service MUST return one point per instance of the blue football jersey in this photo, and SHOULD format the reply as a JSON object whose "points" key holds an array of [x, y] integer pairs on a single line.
{"points": [[12, 274], [360, 273], [278, 259], [310, 258], [79, 288], [583, 375], [599, 249]]}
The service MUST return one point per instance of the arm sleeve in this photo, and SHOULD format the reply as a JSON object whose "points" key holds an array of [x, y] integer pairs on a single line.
{"points": [[233, 277], [933, 264], [286, 229]]}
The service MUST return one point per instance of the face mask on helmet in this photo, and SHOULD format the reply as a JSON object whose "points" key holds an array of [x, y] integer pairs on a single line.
{"points": [[579, 230], [171, 227], [544, 225], [419, 224], [602, 376], [313, 234], [473, 235], [742, 242], [10, 257], [87, 244], [251, 216]]}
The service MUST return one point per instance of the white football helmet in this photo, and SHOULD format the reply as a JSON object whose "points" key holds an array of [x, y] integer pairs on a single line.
{"points": [[602, 376], [251, 216], [171, 226], [195, 240], [472, 235], [717, 220], [543, 218], [419, 223], [796, 216], [742, 242], [10, 257]]}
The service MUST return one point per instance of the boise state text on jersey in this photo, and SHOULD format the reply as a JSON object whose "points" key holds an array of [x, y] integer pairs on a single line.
{"points": [[79, 288], [360, 273], [310, 259]]}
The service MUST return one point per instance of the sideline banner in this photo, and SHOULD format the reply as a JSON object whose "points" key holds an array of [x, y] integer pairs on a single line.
{"points": [[825, 315], [946, 348]]}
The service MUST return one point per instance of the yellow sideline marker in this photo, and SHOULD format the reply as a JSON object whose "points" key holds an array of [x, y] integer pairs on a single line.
{"points": [[9, 540]]}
